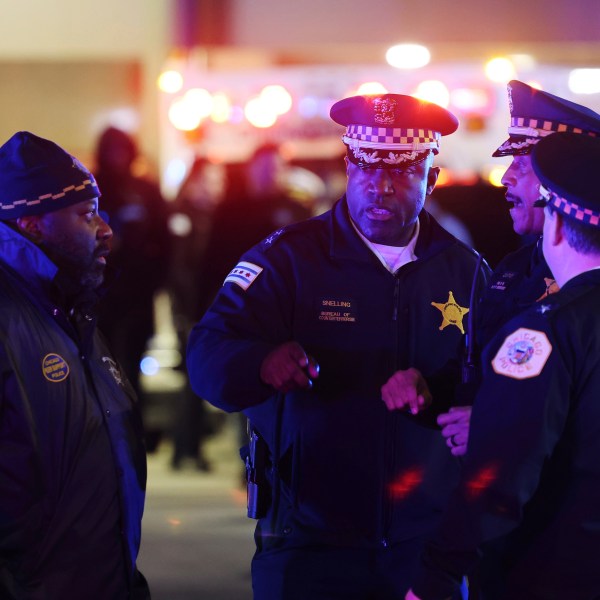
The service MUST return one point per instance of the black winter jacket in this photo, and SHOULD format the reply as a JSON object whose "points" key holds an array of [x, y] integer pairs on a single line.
{"points": [[344, 470], [72, 458]]}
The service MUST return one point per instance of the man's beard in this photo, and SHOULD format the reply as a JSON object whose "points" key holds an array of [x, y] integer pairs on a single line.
{"points": [[87, 275], [92, 277]]}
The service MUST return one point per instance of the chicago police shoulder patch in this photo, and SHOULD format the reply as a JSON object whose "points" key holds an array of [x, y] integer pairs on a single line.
{"points": [[243, 274], [523, 354]]}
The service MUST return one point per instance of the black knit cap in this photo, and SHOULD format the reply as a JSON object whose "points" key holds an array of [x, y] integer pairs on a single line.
{"points": [[37, 176]]}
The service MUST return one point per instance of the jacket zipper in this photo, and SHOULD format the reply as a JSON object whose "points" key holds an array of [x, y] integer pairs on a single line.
{"points": [[391, 431]]}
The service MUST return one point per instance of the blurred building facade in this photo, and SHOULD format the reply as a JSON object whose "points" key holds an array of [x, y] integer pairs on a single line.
{"points": [[68, 69]]}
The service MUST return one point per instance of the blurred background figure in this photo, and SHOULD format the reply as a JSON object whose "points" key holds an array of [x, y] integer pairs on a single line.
{"points": [[190, 223], [141, 251], [258, 202]]}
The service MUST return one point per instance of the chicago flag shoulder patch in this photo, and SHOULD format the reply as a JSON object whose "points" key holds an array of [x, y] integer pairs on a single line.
{"points": [[243, 274], [523, 354]]}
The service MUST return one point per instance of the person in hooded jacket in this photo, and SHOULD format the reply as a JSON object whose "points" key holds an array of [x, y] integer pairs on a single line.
{"points": [[72, 455]]}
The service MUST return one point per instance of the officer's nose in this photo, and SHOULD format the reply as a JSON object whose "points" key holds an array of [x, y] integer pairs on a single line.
{"points": [[509, 178], [381, 182]]}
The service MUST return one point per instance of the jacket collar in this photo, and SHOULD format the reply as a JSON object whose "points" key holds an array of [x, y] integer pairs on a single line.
{"points": [[25, 258], [346, 243], [29, 262]]}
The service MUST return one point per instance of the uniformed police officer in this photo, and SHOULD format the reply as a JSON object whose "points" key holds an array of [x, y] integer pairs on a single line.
{"points": [[529, 496], [306, 331], [522, 278]]}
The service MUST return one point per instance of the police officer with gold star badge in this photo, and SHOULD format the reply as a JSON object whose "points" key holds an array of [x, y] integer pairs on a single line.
{"points": [[310, 332]]}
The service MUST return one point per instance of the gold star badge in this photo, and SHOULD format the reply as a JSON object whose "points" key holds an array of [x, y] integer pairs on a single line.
{"points": [[452, 313], [551, 288]]}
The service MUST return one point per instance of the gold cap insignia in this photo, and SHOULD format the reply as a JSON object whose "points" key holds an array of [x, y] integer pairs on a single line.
{"points": [[384, 109]]}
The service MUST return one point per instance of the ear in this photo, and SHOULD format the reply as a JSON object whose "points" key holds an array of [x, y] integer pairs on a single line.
{"points": [[553, 228], [432, 177], [30, 226]]}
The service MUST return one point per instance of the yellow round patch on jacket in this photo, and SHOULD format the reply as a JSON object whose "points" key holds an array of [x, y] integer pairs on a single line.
{"points": [[523, 354], [55, 367]]}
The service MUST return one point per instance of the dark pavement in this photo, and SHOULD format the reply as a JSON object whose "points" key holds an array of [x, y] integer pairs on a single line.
{"points": [[197, 542]]}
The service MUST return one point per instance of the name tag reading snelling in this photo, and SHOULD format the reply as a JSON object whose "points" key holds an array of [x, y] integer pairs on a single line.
{"points": [[343, 311]]}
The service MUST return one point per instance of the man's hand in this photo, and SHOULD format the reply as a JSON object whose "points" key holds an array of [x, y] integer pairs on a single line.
{"points": [[288, 367], [406, 390], [455, 428]]}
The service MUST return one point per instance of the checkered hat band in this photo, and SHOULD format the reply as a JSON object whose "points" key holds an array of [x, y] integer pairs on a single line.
{"points": [[570, 209], [388, 135], [48, 198], [543, 127]]}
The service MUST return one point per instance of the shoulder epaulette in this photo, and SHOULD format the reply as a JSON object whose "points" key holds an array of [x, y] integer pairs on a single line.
{"points": [[299, 227]]}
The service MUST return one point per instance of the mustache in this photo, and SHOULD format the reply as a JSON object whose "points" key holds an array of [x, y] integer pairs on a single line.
{"points": [[102, 250], [541, 203]]}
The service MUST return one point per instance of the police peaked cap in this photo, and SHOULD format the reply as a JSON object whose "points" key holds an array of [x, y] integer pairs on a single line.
{"points": [[534, 114], [391, 130], [38, 176], [566, 165]]}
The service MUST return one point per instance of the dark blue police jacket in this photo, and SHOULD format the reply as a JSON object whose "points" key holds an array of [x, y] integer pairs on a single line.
{"points": [[521, 279], [343, 469], [529, 498]]}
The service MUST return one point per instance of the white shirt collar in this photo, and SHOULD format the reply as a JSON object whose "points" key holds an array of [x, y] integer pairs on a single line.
{"points": [[393, 257]]}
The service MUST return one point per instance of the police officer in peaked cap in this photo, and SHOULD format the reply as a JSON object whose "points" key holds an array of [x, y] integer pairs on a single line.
{"points": [[523, 277], [310, 335], [529, 494]]}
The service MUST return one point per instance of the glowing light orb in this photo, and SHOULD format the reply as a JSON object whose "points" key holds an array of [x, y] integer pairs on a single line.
{"points": [[170, 82], [200, 100], [500, 70], [408, 56], [180, 225], [183, 116], [259, 113], [149, 366], [584, 81], [371, 87], [277, 97], [495, 175], [433, 90]]}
